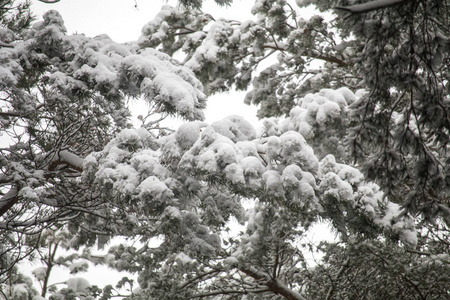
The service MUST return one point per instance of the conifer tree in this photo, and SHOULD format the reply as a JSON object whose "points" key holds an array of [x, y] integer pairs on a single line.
{"points": [[355, 133]]}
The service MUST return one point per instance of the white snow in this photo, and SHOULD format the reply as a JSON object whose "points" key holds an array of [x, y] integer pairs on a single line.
{"points": [[183, 259], [78, 284], [40, 273], [235, 128], [188, 133]]}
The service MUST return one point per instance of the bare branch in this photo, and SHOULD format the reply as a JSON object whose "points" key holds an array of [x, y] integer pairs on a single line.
{"points": [[21, 226]]}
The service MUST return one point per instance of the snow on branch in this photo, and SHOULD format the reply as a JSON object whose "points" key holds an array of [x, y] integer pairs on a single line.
{"points": [[70, 159], [49, 1], [28, 226], [369, 6]]}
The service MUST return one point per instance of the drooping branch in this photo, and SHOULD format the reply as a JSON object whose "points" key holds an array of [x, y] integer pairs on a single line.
{"points": [[369, 6]]}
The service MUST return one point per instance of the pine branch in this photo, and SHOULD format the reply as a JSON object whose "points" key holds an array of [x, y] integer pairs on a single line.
{"points": [[228, 292], [273, 284], [49, 1], [369, 6]]}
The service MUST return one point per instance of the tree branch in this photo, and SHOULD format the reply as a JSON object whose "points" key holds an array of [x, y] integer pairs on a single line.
{"points": [[225, 292], [67, 158], [369, 6], [272, 283], [215, 272], [22, 225], [8, 113], [330, 59], [8, 200], [341, 270], [418, 252], [49, 1], [50, 265]]}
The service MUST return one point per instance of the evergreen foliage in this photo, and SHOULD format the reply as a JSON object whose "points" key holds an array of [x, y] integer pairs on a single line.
{"points": [[355, 107]]}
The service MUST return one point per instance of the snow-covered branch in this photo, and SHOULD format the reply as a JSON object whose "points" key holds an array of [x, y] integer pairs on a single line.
{"points": [[29, 226], [65, 157], [49, 1], [71, 159], [369, 6]]}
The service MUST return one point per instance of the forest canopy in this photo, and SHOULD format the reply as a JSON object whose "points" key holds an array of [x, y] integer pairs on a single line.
{"points": [[354, 106]]}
